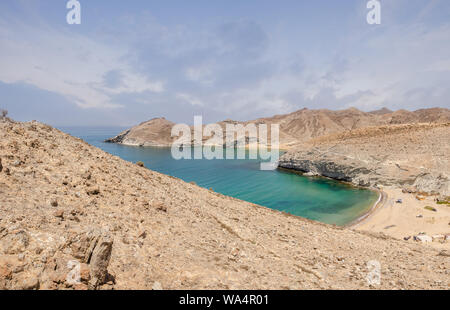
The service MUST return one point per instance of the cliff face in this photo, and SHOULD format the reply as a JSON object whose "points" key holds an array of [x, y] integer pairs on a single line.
{"points": [[65, 204], [296, 127], [413, 156]]}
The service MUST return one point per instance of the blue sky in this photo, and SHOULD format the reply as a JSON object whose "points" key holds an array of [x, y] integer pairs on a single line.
{"points": [[130, 61]]}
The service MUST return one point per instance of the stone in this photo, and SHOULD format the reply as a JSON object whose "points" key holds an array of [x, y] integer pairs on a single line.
{"points": [[15, 243], [31, 282], [444, 253], [87, 175], [54, 202], [93, 191], [85, 273], [143, 235], [59, 214], [83, 244], [161, 207], [100, 260], [5, 273]]}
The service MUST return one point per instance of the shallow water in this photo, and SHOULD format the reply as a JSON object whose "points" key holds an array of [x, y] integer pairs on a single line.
{"points": [[315, 198]]}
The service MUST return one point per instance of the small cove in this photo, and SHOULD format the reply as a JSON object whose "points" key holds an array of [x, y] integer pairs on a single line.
{"points": [[319, 199]]}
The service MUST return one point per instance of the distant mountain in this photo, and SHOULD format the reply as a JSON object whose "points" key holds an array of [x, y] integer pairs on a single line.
{"points": [[296, 127]]}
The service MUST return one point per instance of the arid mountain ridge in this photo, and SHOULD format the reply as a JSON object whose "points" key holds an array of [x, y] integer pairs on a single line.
{"points": [[296, 127]]}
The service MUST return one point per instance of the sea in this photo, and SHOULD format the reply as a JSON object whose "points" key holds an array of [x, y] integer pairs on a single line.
{"points": [[315, 198]]}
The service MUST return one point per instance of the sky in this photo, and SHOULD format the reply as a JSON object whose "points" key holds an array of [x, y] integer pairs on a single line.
{"points": [[130, 61]]}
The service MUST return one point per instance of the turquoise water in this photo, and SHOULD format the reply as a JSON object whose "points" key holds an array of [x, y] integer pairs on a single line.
{"points": [[318, 199]]}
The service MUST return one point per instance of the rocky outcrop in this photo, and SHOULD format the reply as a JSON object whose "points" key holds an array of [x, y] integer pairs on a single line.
{"points": [[99, 261], [399, 155], [140, 229], [33, 260], [120, 139]]}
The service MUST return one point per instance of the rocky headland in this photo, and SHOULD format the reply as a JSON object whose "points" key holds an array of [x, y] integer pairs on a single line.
{"points": [[412, 156]]}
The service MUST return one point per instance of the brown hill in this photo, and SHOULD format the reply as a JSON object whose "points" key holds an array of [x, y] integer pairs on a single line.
{"points": [[296, 127]]}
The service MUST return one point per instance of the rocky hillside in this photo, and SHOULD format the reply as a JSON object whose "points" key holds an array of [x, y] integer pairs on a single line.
{"points": [[296, 127], [64, 203], [413, 156], [155, 132]]}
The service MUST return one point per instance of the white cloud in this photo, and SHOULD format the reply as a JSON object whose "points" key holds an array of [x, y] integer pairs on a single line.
{"points": [[66, 63], [190, 99]]}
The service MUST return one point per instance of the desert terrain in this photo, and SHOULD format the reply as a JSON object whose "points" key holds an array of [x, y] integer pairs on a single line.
{"points": [[64, 202]]}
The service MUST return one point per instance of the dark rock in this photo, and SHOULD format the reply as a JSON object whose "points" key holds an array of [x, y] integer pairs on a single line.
{"points": [[100, 261]]}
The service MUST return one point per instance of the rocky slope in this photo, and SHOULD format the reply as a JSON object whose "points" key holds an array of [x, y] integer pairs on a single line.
{"points": [[64, 202], [414, 156], [295, 127], [155, 132]]}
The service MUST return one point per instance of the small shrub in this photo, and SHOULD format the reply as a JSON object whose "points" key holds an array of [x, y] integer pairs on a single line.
{"points": [[4, 113], [140, 164], [443, 202], [430, 209]]}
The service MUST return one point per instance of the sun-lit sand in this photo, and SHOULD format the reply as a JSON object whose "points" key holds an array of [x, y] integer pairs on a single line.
{"points": [[409, 218]]}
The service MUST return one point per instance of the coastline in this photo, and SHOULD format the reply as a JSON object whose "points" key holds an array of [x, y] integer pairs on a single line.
{"points": [[403, 220], [281, 148], [382, 197]]}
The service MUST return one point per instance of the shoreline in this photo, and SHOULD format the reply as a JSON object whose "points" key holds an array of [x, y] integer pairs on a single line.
{"points": [[282, 148], [404, 220], [381, 201], [382, 198]]}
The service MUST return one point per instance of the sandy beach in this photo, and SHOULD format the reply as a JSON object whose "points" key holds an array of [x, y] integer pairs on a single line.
{"points": [[409, 218]]}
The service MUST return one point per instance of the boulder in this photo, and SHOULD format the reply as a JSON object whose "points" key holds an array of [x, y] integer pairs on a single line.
{"points": [[100, 260]]}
